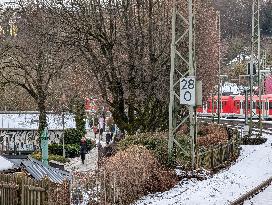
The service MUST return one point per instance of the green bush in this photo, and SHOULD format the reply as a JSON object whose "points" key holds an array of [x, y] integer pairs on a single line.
{"points": [[90, 144], [72, 136], [71, 150], [58, 158], [158, 144]]}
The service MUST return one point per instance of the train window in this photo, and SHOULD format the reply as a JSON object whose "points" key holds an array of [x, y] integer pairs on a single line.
{"points": [[209, 105], [266, 105], [237, 105], [270, 105], [253, 105]]}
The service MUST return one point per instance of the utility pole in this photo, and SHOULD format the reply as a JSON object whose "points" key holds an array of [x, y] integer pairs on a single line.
{"points": [[63, 131], [255, 50], [183, 70], [246, 107], [219, 67]]}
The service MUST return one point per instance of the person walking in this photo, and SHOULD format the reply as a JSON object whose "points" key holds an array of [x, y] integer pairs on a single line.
{"points": [[95, 131], [83, 149], [101, 126]]}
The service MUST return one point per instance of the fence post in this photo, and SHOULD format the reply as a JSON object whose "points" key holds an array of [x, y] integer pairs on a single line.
{"points": [[221, 154], [212, 164], [46, 187]]}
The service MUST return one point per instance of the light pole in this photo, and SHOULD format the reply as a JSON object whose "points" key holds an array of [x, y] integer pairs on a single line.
{"points": [[63, 130], [63, 124], [219, 71]]}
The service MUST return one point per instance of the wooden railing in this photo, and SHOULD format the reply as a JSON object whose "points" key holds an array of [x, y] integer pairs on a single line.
{"points": [[21, 190], [214, 157]]}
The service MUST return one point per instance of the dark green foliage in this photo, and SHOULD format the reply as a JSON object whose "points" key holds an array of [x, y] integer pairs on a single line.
{"points": [[79, 111], [90, 144], [72, 136], [71, 150], [58, 158], [158, 144], [266, 18]]}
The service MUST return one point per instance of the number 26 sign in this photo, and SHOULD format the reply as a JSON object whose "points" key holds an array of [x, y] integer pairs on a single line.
{"points": [[187, 90]]}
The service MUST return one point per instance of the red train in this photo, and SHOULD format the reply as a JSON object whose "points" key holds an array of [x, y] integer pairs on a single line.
{"points": [[234, 106]]}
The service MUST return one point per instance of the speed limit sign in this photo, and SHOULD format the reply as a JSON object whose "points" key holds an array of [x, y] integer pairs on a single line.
{"points": [[187, 90]]}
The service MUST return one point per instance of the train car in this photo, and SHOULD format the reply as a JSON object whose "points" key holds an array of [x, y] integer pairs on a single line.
{"points": [[235, 106], [226, 105]]}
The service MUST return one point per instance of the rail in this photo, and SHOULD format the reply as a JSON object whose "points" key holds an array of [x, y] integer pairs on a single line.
{"points": [[252, 192], [267, 126]]}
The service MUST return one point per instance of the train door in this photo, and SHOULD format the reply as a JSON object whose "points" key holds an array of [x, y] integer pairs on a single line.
{"points": [[241, 107], [270, 108], [265, 115], [254, 108]]}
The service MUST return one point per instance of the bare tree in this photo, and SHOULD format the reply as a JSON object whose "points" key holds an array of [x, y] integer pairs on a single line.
{"points": [[34, 57], [127, 47]]}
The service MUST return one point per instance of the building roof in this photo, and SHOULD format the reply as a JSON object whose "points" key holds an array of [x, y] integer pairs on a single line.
{"points": [[30, 120], [38, 170], [5, 164]]}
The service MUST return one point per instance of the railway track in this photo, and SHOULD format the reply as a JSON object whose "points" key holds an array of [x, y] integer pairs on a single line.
{"points": [[267, 129], [252, 192]]}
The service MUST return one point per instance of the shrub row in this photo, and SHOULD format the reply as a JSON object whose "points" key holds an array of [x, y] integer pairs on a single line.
{"points": [[71, 150], [134, 172], [58, 158], [158, 144]]}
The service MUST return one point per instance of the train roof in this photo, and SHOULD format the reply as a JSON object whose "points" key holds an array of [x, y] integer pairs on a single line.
{"points": [[222, 97]]}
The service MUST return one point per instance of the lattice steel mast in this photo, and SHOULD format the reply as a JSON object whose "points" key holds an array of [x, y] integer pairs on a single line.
{"points": [[255, 57], [182, 65]]}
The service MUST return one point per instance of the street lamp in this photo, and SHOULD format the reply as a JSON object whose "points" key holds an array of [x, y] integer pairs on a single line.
{"points": [[63, 99]]}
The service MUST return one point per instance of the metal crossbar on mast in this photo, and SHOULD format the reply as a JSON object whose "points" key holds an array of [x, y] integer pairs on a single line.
{"points": [[182, 65], [255, 58]]}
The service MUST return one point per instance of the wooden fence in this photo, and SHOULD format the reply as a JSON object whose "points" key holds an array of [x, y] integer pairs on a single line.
{"points": [[214, 157], [18, 189], [97, 187]]}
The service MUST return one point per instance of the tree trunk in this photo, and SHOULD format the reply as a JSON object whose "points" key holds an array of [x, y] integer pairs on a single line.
{"points": [[42, 116]]}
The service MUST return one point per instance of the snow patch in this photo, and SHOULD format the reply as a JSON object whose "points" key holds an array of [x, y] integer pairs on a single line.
{"points": [[5, 164], [252, 168]]}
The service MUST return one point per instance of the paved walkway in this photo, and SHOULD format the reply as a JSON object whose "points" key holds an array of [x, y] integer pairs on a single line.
{"points": [[90, 164]]}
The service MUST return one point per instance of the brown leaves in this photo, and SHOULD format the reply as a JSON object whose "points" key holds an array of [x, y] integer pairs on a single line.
{"points": [[137, 172], [211, 134]]}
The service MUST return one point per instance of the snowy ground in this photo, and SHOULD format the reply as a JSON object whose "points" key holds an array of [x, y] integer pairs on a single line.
{"points": [[253, 167], [90, 164], [5, 164]]}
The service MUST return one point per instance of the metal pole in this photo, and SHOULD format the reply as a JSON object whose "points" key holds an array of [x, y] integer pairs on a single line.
{"points": [[219, 71], [251, 65], [212, 108], [63, 130], [246, 107], [259, 68], [186, 37], [191, 73], [172, 91]]}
